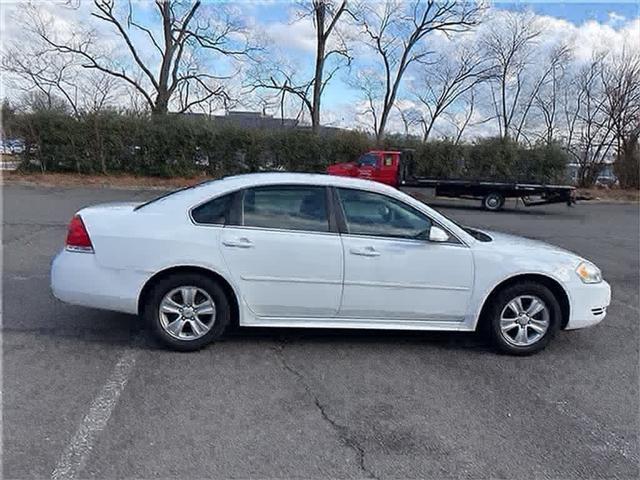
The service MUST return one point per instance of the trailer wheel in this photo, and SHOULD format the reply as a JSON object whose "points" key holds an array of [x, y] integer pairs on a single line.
{"points": [[493, 201]]}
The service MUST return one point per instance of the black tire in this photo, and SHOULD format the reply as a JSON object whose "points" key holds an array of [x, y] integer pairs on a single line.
{"points": [[499, 303], [494, 201], [222, 315]]}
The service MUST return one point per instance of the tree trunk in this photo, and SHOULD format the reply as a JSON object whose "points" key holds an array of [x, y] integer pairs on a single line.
{"points": [[317, 79], [427, 132], [161, 104], [382, 126]]}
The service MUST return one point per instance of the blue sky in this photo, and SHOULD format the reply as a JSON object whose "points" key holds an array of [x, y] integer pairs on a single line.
{"points": [[575, 12]]}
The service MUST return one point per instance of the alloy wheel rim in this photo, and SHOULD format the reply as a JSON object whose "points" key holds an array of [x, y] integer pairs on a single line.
{"points": [[524, 320], [187, 313]]}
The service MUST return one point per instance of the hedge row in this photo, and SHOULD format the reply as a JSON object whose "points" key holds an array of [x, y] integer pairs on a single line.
{"points": [[181, 145]]}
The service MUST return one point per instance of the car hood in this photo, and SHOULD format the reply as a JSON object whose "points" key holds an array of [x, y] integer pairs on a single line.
{"points": [[508, 242]]}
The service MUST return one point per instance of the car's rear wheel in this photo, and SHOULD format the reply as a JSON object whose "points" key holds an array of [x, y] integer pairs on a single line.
{"points": [[187, 311], [523, 318]]}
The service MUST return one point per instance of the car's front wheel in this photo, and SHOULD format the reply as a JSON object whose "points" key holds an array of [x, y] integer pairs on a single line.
{"points": [[187, 311], [523, 318]]}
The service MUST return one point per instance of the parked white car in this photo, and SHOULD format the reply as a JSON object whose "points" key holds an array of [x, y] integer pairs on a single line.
{"points": [[303, 250]]}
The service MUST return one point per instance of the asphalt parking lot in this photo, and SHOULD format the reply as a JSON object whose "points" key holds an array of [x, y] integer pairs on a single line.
{"points": [[314, 404]]}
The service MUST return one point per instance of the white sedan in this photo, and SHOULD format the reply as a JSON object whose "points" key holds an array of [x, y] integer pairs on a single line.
{"points": [[303, 250]]}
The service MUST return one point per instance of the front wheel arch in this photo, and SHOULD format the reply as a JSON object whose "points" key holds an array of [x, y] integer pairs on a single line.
{"points": [[186, 269], [556, 288]]}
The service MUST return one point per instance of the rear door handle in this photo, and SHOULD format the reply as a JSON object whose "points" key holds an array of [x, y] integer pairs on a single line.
{"points": [[242, 242], [365, 252]]}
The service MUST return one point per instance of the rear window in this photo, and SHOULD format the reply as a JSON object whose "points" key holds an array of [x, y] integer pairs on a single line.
{"points": [[286, 208], [172, 193]]}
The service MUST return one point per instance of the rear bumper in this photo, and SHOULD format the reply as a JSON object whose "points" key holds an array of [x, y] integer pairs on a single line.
{"points": [[589, 304], [77, 278]]}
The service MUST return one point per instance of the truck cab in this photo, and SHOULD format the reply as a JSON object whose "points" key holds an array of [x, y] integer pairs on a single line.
{"points": [[379, 165]]}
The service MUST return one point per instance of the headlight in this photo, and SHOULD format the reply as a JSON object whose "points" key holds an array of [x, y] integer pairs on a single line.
{"points": [[589, 273]]}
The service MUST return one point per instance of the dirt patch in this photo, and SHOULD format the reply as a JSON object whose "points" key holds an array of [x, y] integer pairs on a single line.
{"points": [[127, 182], [609, 194]]}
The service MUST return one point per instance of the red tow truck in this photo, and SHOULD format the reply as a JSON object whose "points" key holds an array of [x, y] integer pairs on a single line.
{"points": [[396, 168]]}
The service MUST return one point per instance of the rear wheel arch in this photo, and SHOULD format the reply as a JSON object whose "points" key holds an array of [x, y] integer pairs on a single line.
{"points": [[232, 297], [552, 284]]}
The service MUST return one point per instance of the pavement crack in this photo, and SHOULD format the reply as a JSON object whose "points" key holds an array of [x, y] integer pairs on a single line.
{"points": [[341, 430], [37, 229]]}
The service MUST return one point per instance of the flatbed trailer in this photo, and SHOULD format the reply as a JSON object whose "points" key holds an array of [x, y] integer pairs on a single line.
{"points": [[494, 194], [396, 168]]}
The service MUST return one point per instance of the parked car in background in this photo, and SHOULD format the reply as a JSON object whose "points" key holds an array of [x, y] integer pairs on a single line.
{"points": [[304, 250], [11, 146]]}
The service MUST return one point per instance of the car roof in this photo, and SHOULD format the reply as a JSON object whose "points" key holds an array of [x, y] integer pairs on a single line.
{"points": [[275, 178], [187, 198], [203, 191]]}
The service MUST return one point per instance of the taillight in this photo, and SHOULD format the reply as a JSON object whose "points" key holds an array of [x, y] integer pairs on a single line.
{"points": [[77, 236]]}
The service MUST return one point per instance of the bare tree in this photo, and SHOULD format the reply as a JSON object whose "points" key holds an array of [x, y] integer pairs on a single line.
{"points": [[447, 81], [522, 74], [33, 67], [185, 33], [330, 43], [621, 79], [98, 92], [547, 97], [589, 127], [461, 120], [49, 80], [410, 117], [509, 45], [397, 33], [549, 64]]}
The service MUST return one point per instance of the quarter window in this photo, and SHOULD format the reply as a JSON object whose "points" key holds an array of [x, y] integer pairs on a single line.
{"points": [[286, 207], [214, 212], [368, 213]]}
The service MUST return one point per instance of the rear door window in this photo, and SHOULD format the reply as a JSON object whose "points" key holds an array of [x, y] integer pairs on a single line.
{"points": [[295, 207]]}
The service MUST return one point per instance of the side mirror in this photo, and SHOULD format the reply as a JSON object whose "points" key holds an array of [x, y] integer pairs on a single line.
{"points": [[436, 234]]}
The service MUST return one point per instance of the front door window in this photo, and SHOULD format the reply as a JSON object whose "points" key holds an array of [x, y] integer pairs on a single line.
{"points": [[368, 213]]}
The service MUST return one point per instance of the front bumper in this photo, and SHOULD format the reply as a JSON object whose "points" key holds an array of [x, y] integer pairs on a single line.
{"points": [[589, 303]]}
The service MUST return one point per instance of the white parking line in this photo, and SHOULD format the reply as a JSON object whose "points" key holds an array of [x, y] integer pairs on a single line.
{"points": [[75, 455]]}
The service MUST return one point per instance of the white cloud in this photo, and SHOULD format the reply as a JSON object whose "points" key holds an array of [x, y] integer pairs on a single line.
{"points": [[296, 34], [616, 18]]}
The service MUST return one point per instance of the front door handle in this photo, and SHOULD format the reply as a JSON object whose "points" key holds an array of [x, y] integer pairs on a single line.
{"points": [[242, 242], [365, 252]]}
